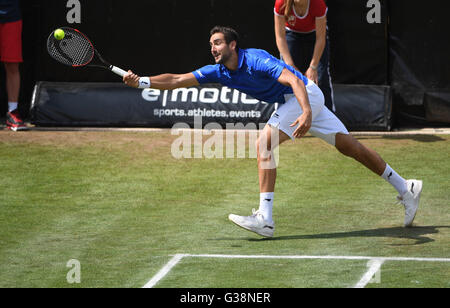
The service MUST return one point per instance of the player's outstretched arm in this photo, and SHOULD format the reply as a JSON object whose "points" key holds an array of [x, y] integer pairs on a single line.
{"points": [[162, 82]]}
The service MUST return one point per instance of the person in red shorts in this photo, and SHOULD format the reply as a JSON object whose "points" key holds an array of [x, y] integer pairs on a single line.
{"points": [[11, 56]]}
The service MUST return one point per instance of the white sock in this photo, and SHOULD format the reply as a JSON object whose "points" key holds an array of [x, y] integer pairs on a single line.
{"points": [[12, 106], [266, 205], [395, 180]]}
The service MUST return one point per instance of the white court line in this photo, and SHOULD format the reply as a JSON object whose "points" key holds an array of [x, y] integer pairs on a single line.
{"points": [[318, 257], [164, 271], [374, 267]]}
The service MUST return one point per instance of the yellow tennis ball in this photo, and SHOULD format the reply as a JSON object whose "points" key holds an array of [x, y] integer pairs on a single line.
{"points": [[59, 34]]}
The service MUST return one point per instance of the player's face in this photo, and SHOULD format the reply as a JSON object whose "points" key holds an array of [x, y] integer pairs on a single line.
{"points": [[220, 50]]}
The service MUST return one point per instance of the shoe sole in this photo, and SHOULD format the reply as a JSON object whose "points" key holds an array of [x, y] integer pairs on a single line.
{"points": [[419, 183], [245, 228], [17, 129]]}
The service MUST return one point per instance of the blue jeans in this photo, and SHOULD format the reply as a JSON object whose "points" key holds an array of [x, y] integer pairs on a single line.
{"points": [[301, 47]]}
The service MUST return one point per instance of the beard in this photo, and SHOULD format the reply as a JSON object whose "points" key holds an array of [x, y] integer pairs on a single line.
{"points": [[224, 57]]}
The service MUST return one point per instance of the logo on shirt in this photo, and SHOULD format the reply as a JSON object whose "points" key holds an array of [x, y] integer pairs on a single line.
{"points": [[291, 20], [200, 73]]}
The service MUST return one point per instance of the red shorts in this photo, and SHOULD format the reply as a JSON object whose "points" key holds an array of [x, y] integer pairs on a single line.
{"points": [[11, 42]]}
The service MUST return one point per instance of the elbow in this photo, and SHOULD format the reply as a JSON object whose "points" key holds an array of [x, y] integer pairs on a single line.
{"points": [[298, 83], [321, 40], [280, 41], [280, 37]]}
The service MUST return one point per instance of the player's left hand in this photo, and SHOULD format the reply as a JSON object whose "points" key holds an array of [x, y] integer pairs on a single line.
{"points": [[304, 124], [311, 74]]}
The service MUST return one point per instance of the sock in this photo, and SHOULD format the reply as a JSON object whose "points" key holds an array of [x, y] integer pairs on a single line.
{"points": [[395, 180], [266, 205], [12, 106]]}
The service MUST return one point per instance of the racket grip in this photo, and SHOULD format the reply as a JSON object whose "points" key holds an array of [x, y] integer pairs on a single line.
{"points": [[117, 70]]}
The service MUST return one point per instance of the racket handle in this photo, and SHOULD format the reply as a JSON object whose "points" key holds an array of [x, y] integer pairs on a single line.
{"points": [[117, 71]]}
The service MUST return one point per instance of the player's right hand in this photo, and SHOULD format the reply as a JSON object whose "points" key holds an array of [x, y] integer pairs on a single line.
{"points": [[304, 122], [131, 79]]}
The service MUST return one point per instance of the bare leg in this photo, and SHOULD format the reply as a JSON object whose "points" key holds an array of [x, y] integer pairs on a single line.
{"points": [[267, 142], [261, 221], [12, 81], [409, 190], [351, 147]]}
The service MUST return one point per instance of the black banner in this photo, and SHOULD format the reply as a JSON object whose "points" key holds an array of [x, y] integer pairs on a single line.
{"points": [[364, 107], [114, 104]]}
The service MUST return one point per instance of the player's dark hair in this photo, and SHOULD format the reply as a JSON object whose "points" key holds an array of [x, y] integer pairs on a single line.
{"points": [[229, 33]]}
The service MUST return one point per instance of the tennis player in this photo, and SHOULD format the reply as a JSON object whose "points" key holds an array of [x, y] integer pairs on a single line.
{"points": [[264, 77]]}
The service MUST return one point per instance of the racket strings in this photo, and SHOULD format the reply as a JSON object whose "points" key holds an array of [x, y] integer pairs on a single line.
{"points": [[74, 50]]}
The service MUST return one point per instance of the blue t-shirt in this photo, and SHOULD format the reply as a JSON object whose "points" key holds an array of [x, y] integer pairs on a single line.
{"points": [[9, 11], [257, 75]]}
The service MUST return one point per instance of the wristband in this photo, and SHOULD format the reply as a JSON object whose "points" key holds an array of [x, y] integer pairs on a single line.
{"points": [[144, 82], [313, 67]]}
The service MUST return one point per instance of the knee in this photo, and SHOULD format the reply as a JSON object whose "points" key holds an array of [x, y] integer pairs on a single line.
{"points": [[263, 150], [347, 145], [347, 151], [12, 68]]}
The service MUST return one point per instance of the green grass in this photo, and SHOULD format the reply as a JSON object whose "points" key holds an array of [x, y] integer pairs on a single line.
{"points": [[122, 205], [236, 273]]}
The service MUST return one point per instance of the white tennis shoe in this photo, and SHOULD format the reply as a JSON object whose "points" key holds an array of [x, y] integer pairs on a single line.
{"points": [[410, 200], [254, 223]]}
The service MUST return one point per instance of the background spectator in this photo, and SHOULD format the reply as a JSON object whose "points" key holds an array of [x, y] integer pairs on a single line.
{"points": [[11, 56], [301, 37]]}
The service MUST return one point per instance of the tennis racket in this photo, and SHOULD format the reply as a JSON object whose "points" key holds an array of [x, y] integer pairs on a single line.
{"points": [[76, 50]]}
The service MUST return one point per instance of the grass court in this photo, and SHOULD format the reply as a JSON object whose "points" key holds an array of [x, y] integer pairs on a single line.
{"points": [[125, 208]]}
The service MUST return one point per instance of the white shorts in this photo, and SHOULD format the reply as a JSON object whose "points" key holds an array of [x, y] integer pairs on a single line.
{"points": [[325, 124]]}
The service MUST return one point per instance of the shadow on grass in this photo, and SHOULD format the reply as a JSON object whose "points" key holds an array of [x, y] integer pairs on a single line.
{"points": [[418, 138], [419, 234]]}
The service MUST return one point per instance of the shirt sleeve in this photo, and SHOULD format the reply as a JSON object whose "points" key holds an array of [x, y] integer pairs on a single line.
{"points": [[279, 7], [270, 66], [319, 8], [206, 74]]}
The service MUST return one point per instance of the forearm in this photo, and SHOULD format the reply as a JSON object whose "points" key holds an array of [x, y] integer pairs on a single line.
{"points": [[318, 51], [165, 81], [161, 82], [300, 93], [280, 38], [284, 51], [321, 37], [298, 87]]}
